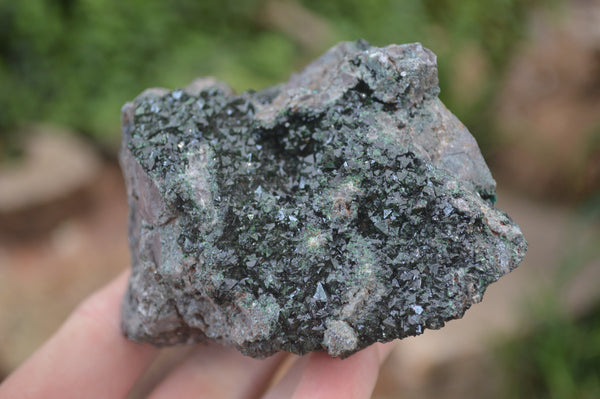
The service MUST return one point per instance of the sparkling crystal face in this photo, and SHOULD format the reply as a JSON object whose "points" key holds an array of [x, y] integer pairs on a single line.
{"points": [[325, 218]]}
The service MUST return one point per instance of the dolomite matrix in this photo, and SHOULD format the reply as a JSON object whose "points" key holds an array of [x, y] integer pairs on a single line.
{"points": [[345, 207]]}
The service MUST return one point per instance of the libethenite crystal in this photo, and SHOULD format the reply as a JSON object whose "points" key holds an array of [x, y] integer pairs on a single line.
{"points": [[345, 207]]}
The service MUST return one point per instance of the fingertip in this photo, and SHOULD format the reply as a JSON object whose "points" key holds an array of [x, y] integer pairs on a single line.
{"points": [[353, 377], [88, 352]]}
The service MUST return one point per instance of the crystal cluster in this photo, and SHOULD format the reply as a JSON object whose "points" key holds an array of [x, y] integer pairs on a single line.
{"points": [[345, 207]]}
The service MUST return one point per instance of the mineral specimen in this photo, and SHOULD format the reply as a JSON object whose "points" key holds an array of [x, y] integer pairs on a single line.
{"points": [[345, 207]]}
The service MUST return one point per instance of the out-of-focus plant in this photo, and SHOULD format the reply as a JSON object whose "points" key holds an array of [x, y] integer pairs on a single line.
{"points": [[560, 356], [559, 359], [75, 62]]}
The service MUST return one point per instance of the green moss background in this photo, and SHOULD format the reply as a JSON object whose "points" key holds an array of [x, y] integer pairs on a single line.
{"points": [[75, 62]]}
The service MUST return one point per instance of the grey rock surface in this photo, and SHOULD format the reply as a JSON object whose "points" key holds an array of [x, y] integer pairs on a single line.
{"points": [[345, 207]]}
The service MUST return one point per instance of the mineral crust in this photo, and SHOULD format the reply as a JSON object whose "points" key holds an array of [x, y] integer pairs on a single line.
{"points": [[345, 207]]}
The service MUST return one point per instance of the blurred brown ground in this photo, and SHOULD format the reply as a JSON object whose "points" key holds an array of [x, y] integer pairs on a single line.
{"points": [[44, 276], [56, 247], [548, 111]]}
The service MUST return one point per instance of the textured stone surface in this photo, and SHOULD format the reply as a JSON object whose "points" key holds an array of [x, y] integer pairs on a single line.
{"points": [[345, 207]]}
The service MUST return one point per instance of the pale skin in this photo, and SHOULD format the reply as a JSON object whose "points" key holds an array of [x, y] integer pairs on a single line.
{"points": [[88, 357]]}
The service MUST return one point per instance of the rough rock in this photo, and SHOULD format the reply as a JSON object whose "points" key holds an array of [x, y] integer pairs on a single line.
{"points": [[345, 207]]}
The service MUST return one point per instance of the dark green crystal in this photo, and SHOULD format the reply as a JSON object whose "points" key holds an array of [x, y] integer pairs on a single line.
{"points": [[344, 208]]}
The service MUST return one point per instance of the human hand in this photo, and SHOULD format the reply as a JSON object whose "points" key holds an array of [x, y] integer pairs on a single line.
{"points": [[89, 358]]}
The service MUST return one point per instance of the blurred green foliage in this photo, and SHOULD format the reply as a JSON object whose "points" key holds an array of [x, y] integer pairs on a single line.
{"points": [[75, 62], [560, 357]]}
